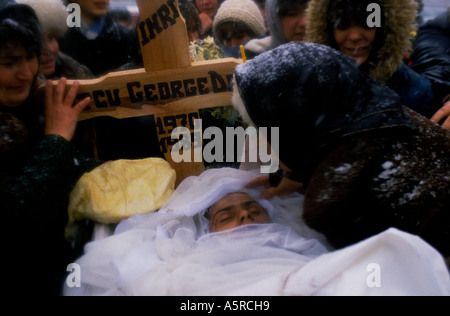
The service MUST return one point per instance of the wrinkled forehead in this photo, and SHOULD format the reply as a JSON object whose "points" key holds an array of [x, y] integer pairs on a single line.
{"points": [[231, 198]]}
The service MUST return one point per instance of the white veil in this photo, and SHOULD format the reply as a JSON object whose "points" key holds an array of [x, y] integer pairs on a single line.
{"points": [[171, 252]]}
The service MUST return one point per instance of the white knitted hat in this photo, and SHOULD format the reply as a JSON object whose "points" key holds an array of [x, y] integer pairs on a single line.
{"points": [[52, 15], [242, 11]]}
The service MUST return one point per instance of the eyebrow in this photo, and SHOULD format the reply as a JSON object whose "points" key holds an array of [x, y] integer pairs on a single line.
{"points": [[226, 209], [229, 208], [14, 56], [9, 57]]}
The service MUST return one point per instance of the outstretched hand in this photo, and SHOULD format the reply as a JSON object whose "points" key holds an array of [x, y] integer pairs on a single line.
{"points": [[61, 116], [286, 187], [443, 113]]}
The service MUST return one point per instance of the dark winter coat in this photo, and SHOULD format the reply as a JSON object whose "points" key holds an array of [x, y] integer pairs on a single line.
{"points": [[431, 54], [386, 65], [69, 68], [367, 162], [37, 174], [109, 51]]}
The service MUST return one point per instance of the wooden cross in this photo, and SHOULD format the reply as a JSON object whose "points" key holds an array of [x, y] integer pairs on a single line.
{"points": [[171, 87]]}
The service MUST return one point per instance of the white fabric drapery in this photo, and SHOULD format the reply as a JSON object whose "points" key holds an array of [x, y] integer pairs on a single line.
{"points": [[171, 252]]}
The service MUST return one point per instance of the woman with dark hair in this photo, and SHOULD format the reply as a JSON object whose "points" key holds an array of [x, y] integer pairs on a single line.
{"points": [[207, 10], [38, 164], [379, 51], [54, 64], [287, 23]]}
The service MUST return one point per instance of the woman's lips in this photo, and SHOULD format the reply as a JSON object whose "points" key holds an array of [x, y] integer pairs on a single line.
{"points": [[47, 62], [19, 89], [300, 36], [357, 51]]}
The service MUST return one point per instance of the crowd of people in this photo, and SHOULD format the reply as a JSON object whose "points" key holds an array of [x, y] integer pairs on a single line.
{"points": [[43, 147]]}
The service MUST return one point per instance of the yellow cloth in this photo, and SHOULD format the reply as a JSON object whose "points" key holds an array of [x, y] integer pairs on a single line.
{"points": [[119, 189]]}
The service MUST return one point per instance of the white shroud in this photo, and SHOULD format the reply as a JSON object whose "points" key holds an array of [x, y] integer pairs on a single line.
{"points": [[171, 252]]}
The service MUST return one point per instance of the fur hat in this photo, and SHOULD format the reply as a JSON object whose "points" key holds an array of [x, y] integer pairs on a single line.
{"points": [[245, 12], [52, 15]]}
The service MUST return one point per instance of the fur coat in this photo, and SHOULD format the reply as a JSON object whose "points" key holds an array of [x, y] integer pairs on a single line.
{"points": [[367, 162]]}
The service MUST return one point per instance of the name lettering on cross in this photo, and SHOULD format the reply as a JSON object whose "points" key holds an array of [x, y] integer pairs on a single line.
{"points": [[169, 86], [152, 92]]}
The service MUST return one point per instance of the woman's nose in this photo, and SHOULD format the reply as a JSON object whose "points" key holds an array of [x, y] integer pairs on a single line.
{"points": [[354, 34], [25, 71]]}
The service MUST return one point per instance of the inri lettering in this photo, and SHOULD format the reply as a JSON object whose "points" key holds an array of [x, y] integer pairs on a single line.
{"points": [[164, 17]]}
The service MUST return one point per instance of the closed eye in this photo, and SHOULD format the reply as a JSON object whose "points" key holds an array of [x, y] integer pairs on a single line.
{"points": [[224, 219]]}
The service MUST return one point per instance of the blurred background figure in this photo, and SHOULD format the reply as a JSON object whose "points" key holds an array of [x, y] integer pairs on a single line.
{"points": [[101, 44], [122, 16], [429, 9], [54, 64], [431, 58], [207, 10], [287, 22], [192, 19], [236, 23], [262, 7]]}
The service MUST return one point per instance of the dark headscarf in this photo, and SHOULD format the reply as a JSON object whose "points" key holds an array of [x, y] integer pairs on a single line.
{"points": [[20, 25], [315, 95]]}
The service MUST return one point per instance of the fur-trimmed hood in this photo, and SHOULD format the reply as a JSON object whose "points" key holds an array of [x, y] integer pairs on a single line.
{"points": [[399, 18]]}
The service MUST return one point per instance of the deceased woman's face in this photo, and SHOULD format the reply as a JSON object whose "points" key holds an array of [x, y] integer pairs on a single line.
{"points": [[235, 210]]}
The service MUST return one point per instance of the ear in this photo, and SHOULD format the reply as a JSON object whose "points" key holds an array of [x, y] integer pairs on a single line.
{"points": [[239, 105]]}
